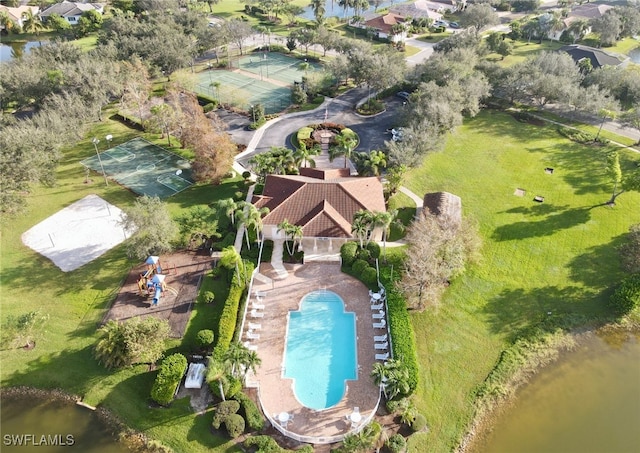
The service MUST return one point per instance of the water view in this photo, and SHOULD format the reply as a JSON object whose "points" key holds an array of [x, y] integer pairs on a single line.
{"points": [[333, 9], [589, 401], [32, 425], [14, 50], [634, 55]]}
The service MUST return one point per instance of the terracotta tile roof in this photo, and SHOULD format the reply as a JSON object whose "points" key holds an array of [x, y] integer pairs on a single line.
{"points": [[322, 207], [384, 23], [439, 203]]}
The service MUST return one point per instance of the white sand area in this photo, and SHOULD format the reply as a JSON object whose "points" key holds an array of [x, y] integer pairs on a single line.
{"points": [[78, 233]]}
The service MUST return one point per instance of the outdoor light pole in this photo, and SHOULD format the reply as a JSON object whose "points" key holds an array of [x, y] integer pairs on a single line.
{"points": [[253, 112], [95, 142]]}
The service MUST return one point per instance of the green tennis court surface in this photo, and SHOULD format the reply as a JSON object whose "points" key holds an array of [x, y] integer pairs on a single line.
{"points": [[277, 66], [144, 168]]}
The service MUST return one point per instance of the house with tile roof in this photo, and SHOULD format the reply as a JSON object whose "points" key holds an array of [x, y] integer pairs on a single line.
{"points": [[384, 24], [321, 201], [71, 11], [598, 57], [419, 9]]}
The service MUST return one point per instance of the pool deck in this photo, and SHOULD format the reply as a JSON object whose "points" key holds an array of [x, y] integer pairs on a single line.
{"points": [[276, 392]]}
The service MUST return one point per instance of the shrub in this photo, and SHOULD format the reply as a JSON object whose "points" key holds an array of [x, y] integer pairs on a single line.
{"points": [[369, 276], [223, 410], [251, 412], [419, 423], [208, 296], [168, 378], [263, 444], [231, 386], [374, 249], [246, 175], [364, 254], [304, 132], [627, 296], [235, 425], [348, 252], [205, 338], [396, 443], [359, 266], [209, 107]]}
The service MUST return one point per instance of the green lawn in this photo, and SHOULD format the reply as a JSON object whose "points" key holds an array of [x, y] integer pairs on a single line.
{"points": [[523, 50], [558, 256]]}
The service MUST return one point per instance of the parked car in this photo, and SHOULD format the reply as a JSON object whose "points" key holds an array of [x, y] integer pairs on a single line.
{"points": [[441, 23], [403, 95], [454, 25]]}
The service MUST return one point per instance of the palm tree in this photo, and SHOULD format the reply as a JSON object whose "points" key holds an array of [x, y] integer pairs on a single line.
{"points": [[233, 357], [230, 258], [31, 23], [344, 146], [251, 361], [376, 161], [229, 206], [251, 217], [303, 154], [384, 220], [364, 440], [6, 22], [318, 9], [361, 226], [396, 379], [380, 374], [217, 372]]}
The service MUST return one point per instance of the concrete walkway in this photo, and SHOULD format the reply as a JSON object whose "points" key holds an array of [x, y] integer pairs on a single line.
{"points": [[416, 199]]}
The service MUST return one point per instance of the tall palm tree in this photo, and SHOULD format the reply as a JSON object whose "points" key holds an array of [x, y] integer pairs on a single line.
{"points": [[285, 227], [361, 226], [217, 372], [230, 258], [251, 362], [376, 161], [344, 147], [31, 23], [251, 217], [318, 8], [304, 154], [234, 356], [384, 220], [229, 207]]}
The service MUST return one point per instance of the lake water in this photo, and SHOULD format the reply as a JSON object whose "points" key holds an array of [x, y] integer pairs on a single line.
{"points": [[635, 55], [332, 8], [15, 49], [51, 427], [589, 401]]}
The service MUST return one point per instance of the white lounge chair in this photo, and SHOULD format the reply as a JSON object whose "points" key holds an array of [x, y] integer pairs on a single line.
{"points": [[254, 326], [252, 335], [257, 306], [384, 345], [256, 314], [380, 325], [250, 347], [379, 315], [380, 337], [377, 307], [384, 356]]}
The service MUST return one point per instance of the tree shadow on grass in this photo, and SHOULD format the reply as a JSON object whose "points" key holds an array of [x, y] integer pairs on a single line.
{"points": [[514, 311], [551, 224], [537, 209], [599, 266]]}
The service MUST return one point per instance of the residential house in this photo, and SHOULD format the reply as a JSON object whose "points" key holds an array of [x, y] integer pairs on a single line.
{"points": [[384, 25], [597, 57], [71, 11], [16, 15], [585, 13], [321, 201], [452, 5], [444, 203]]}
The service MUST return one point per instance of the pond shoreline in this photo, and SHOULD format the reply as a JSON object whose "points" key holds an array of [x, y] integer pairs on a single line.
{"points": [[490, 408], [127, 437]]}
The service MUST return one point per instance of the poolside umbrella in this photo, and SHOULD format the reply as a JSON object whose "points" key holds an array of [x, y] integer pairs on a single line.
{"points": [[152, 260], [158, 278]]}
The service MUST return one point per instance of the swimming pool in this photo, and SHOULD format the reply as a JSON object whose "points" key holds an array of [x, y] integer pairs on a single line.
{"points": [[320, 354]]}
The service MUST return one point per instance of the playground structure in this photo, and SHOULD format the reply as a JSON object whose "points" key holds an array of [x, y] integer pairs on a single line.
{"points": [[152, 283]]}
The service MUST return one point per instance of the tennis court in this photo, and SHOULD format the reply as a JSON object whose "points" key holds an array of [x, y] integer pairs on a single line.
{"points": [[262, 78], [144, 168]]}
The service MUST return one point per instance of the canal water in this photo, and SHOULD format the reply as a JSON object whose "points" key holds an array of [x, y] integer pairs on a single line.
{"points": [[31, 425], [13, 50], [588, 401]]}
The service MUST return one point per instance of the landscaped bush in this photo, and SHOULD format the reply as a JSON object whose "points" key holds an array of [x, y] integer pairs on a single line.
{"points": [[348, 253], [205, 338], [359, 266], [627, 296], [208, 296], [251, 412], [304, 133], [235, 425], [396, 443], [263, 444], [226, 241], [419, 423], [229, 316], [369, 276], [374, 249], [230, 386], [364, 254], [168, 378], [223, 410]]}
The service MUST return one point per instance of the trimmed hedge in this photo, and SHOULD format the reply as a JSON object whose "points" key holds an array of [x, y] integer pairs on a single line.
{"points": [[235, 425], [348, 253], [396, 443], [419, 423], [229, 316], [168, 378], [251, 412], [369, 276], [359, 266], [627, 295], [224, 410], [374, 249], [205, 338]]}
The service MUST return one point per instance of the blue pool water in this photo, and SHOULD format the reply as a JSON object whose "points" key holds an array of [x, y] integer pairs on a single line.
{"points": [[320, 354]]}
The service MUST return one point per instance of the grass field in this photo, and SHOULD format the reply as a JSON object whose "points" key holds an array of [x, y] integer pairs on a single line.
{"points": [[558, 256]]}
